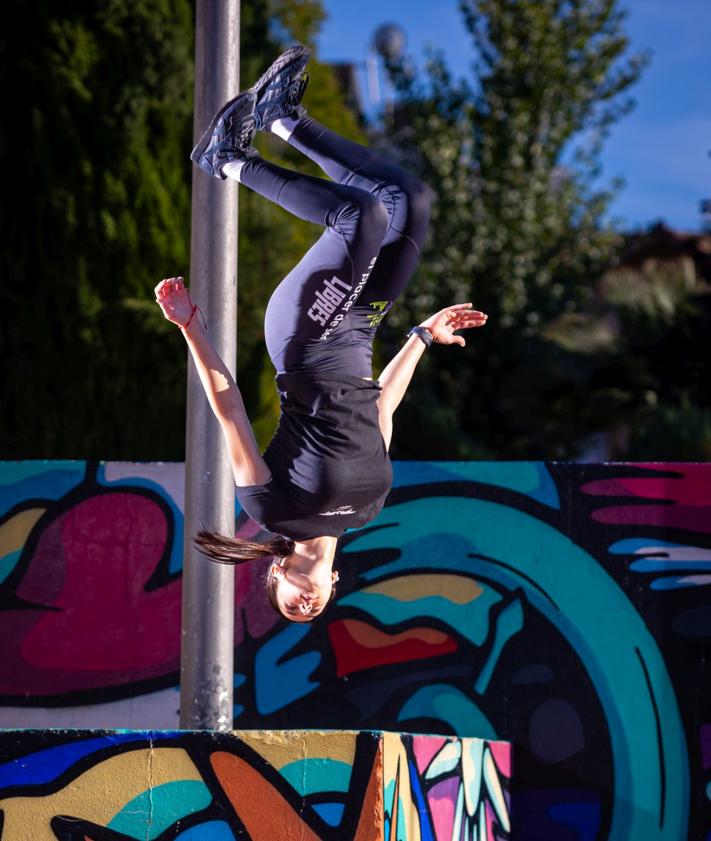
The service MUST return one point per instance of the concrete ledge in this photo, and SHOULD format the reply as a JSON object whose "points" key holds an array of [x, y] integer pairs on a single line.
{"points": [[101, 785]]}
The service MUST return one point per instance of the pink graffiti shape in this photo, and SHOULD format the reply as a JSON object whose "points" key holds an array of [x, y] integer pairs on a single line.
{"points": [[103, 618], [425, 749], [94, 623], [502, 757], [684, 484], [684, 494], [442, 799], [676, 516], [490, 817]]}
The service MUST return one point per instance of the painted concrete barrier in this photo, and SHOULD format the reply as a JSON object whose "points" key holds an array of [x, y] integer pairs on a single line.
{"points": [[564, 608], [251, 785]]}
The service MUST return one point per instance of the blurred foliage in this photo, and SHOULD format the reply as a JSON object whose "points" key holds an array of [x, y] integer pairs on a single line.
{"points": [[94, 144], [94, 130], [642, 371], [94, 148], [518, 227]]}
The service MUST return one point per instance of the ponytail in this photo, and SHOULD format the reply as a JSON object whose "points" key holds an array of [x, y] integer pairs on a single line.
{"points": [[234, 550]]}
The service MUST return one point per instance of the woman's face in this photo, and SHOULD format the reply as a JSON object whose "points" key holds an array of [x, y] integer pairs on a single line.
{"points": [[301, 597]]}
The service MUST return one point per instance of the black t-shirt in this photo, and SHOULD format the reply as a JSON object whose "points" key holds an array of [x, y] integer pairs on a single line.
{"points": [[330, 469]]}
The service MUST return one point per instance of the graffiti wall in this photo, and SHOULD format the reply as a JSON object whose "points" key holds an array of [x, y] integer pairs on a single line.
{"points": [[276, 786], [563, 607]]}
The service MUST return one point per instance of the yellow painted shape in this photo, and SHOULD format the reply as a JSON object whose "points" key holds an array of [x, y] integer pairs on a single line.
{"points": [[410, 588], [281, 747], [14, 532], [98, 794], [396, 768]]}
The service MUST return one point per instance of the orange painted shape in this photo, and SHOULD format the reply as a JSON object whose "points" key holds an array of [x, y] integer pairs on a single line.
{"points": [[264, 811], [370, 823]]}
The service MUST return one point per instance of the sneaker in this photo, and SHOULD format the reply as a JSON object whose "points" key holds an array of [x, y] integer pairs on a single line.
{"points": [[228, 136], [280, 88]]}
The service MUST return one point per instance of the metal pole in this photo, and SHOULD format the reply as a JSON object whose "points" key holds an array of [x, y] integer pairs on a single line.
{"points": [[207, 668]]}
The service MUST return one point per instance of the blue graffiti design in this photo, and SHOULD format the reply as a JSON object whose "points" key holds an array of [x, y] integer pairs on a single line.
{"points": [[583, 817], [308, 776], [153, 811], [508, 623], [531, 478], [7, 563], [280, 682], [331, 813], [210, 831], [570, 589], [669, 583], [46, 765], [629, 545], [238, 709], [26, 480], [445, 703], [687, 565]]}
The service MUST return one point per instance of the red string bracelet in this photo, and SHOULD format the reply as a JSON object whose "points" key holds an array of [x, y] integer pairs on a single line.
{"points": [[192, 313], [195, 308]]}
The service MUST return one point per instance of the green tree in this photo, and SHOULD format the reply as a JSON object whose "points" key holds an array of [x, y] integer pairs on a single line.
{"points": [[518, 226], [94, 152], [96, 122]]}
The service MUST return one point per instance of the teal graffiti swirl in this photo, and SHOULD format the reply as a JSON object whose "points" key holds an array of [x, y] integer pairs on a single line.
{"points": [[575, 593]]}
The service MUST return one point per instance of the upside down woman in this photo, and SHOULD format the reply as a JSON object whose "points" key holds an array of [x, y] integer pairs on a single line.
{"points": [[326, 468]]}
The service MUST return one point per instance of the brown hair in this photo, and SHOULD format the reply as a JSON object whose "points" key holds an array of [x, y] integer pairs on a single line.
{"points": [[235, 550]]}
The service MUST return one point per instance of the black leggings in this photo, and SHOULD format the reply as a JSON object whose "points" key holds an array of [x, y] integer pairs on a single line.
{"points": [[324, 315]]}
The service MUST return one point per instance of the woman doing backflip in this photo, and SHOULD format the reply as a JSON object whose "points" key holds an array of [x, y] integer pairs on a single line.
{"points": [[327, 468]]}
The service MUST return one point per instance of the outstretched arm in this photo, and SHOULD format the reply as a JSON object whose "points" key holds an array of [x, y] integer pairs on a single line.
{"points": [[220, 388], [396, 376]]}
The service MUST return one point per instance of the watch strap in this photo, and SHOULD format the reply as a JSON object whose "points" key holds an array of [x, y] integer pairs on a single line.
{"points": [[421, 333]]}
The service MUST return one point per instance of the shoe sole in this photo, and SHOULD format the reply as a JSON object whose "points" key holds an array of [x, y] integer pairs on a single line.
{"points": [[279, 63], [204, 141], [282, 61]]}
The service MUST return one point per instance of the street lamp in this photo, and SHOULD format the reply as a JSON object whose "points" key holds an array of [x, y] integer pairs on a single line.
{"points": [[389, 43]]}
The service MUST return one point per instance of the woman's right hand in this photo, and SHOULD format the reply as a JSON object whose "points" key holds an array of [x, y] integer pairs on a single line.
{"points": [[172, 297]]}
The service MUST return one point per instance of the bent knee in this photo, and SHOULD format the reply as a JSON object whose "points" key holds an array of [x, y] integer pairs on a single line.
{"points": [[364, 212], [374, 214]]}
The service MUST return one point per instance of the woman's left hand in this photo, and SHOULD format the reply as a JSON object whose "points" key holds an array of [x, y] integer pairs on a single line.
{"points": [[444, 323]]}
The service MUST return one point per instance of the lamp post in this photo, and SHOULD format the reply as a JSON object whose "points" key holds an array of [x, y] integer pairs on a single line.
{"points": [[207, 645], [389, 43]]}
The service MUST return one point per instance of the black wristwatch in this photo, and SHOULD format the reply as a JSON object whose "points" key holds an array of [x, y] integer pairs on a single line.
{"points": [[421, 333]]}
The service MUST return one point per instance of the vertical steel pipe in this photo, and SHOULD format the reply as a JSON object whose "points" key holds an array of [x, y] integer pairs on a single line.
{"points": [[207, 668]]}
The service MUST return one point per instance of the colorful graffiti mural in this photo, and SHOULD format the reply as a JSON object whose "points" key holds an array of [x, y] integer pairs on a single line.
{"points": [[276, 786], [563, 607]]}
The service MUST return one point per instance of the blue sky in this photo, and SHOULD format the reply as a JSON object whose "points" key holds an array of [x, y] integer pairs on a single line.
{"points": [[661, 148]]}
